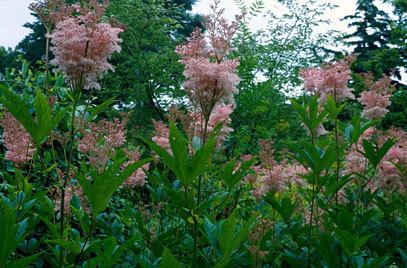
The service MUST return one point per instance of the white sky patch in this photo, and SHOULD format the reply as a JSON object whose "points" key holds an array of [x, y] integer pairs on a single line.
{"points": [[335, 16], [345, 7], [13, 15]]}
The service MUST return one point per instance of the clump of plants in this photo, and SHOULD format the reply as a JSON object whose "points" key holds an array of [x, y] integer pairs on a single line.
{"points": [[74, 192]]}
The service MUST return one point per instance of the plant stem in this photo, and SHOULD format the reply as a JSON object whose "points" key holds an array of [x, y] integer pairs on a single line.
{"points": [[310, 220], [90, 234], [337, 150], [67, 174], [47, 66], [313, 140], [199, 197]]}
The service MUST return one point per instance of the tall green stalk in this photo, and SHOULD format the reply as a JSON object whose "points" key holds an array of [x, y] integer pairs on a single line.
{"points": [[313, 140], [68, 170]]}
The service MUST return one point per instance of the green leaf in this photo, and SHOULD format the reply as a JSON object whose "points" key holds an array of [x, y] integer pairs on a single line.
{"points": [[351, 243], [186, 168], [168, 260], [318, 159], [333, 186], [231, 176], [332, 109], [284, 206], [204, 155], [210, 231], [94, 111], [72, 246], [19, 110], [23, 262], [8, 232], [102, 187], [326, 249], [230, 236], [376, 156], [179, 147], [40, 128]]}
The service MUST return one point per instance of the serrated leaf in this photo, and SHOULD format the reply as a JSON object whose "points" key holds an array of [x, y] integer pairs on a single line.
{"points": [[40, 128], [102, 187]]}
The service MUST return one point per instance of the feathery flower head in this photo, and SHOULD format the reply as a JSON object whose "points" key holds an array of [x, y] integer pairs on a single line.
{"points": [[162, 135], [82, 45], [211, 77], [271, 176], [138, 178], [101, 140], [220, 115], [377, 98], [20, 147], [330, 80], [51, 12]]}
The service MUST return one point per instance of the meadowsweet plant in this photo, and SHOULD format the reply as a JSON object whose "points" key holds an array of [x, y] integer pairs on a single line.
{"points": [[20, 147], [211, 77], [100, 141], [82, 46], [210, 84], [83, 184], [376, 98]]}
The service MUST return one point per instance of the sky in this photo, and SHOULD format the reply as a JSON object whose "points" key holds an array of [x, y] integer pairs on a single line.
{"points": [[14, 13], [345, 7]]}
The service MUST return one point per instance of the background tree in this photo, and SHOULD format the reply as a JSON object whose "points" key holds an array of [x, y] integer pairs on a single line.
{"points": [[32, 47], [8, 59], [376, 40], [148, 76], [379, 44], [270, 61]]}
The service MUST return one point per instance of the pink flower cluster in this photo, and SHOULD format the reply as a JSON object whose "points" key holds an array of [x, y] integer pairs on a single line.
{"points": [[220, 115], [138, 178], [271, 176], [208, 83], [52, 11], [195, 126], [377, 98], [20, 148], [388, 176], [82, 45], [277, 178], [70, 191], [331, 80], [211, 77], [101, 139], [162, 135]]}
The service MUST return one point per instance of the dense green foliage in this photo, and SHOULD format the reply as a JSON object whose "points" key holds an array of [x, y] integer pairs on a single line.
{"points": [[379, 43], [275, 192]]}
